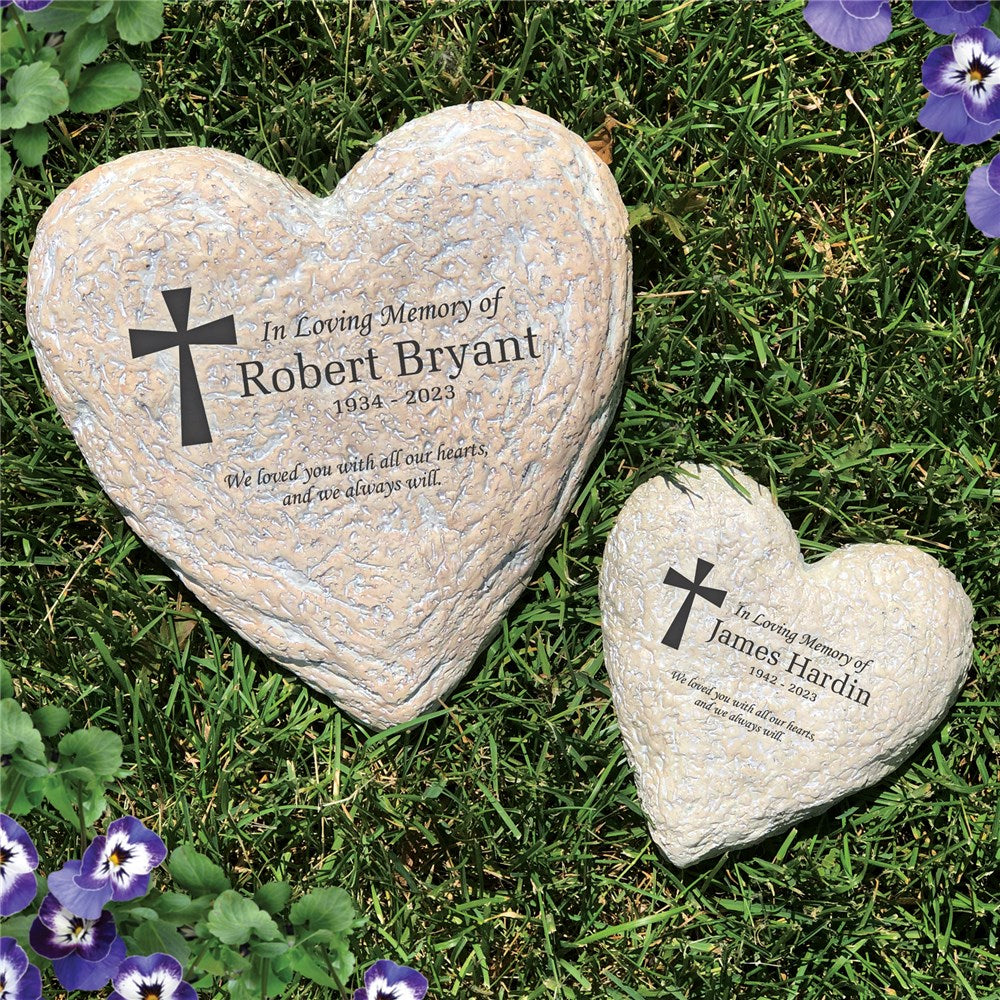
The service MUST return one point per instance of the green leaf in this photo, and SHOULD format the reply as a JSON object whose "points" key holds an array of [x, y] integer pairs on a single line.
{"points": [[6, 681], [18, 927], [263, 978], [218, 960], [329, 965], [196, 873], [243, 989], [11, 40], [689, 201], [305, 963], [71, 774], [234, 919], [139, 20], [278, 975], [30, 768], [36, 93], [19, 793], [268, 949], [55, 791], [273, 897], [49, 720], [92, 749], [10, 59], [10, 117], [340, 957], [101, 11], [674, 225], [638, 214], [63, 791], [88, 759], [179, 908], [102, 87], [94, 807], [82, 45], [20, 738], [153, 936], [59, 16], [325, 909]]}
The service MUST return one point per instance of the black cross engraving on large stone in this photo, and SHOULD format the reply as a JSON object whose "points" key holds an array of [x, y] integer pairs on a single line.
{"points": [[194, 423], [675, 579]]}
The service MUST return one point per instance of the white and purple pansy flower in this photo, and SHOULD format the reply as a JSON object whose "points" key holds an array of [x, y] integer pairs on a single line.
{"points": [[19, 979], [851, 25], [18, 861], [84, 953], [114, 867], [28, 6], [154, 977], [964, 83], [982, 198], [951, 17], [387, 981], [122, 860]]}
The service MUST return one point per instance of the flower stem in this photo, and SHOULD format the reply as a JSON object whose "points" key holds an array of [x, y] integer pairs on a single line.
{"points": [[193, 963], [12, 785], [82, 820], [28, 42]]}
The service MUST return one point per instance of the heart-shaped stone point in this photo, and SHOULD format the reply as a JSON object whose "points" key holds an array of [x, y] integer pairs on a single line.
{"points": [[754, 690], [350, 424]]}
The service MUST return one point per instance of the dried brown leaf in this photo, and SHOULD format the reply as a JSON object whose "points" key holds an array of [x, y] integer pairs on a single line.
{"points": [[602, 141]]}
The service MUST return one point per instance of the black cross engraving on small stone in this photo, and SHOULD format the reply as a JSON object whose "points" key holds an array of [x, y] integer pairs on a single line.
{"points": [[194, 422], [675, 579]]}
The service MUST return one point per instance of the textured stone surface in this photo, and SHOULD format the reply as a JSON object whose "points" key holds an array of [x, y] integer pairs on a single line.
{"points": [[446, 440], [732, 734]]}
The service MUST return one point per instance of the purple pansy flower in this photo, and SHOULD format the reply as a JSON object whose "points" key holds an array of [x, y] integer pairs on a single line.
{"points": [[28, 6], [982, 198], [19, 979], [851, 25], [18, 861], [952, 17], [122, 860], [387, 981], [115, 866], [84, 953], [86, 903], [159, 976], [964, 83], [76, 973]]}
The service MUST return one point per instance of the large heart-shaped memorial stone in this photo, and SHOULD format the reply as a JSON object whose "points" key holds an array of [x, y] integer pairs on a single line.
{"points": [[349, 424], [754, 690]]}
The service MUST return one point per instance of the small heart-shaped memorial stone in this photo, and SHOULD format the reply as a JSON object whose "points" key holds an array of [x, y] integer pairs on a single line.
{"points": [[349, 424], [754, 690]]}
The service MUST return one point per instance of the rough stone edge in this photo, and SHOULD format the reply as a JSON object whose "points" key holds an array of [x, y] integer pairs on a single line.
{"points": [[691, 474], [613, 355]]}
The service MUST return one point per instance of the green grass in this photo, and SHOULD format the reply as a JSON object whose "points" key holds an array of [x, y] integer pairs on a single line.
{"points": [[831, 326]]}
